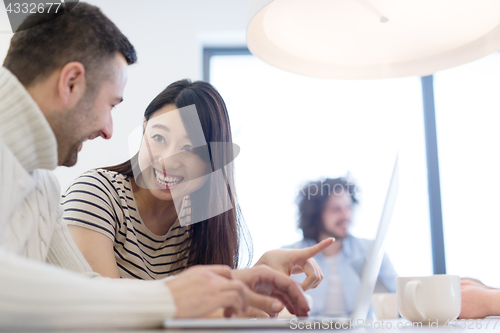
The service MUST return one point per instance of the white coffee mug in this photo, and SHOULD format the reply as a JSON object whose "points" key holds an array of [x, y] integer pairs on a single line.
{"points": [[435, 298], [385, 305]]}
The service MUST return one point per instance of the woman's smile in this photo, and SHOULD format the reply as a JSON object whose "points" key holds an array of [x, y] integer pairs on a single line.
{"points": [[166, 181]]}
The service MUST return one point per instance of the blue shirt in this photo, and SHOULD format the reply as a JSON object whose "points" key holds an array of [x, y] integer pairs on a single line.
{"points": [[350, 262]]}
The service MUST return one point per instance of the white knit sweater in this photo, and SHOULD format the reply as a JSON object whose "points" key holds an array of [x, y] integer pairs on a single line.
{"points": [[33, 293]]}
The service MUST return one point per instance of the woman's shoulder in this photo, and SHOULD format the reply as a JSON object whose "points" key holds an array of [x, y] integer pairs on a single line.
{"points": [[95, 201], [101, 181], [112, 175], [105, 178]]}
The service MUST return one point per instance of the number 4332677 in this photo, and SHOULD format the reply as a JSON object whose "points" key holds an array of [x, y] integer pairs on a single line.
{"points": [[32, 8]]}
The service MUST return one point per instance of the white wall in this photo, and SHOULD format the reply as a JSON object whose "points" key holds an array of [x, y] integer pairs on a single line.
{"points": [[167, 35]]}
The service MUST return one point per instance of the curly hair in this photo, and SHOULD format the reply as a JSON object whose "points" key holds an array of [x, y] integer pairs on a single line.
{"points": [[312, 203]]}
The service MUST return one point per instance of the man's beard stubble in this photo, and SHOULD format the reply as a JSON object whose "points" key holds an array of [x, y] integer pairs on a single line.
{"points": [[337, 236], [71, 156], [67, 145]]}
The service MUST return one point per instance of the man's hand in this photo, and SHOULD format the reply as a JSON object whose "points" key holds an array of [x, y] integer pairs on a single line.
{"points": [[297, 261], [479, 300], [200, 290], [271, 289], [250, 313]]}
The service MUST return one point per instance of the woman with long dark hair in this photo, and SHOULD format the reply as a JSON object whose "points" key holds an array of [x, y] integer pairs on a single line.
{"points": [[172, 205]]}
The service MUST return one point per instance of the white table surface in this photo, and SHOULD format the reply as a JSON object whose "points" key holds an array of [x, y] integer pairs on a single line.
{"points": [[491, 324]]}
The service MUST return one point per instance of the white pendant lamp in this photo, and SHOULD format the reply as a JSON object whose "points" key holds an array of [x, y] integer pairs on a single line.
{"points": [[372, 39]]}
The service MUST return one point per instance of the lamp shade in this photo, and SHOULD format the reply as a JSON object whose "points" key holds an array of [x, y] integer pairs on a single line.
{"points": [[362, 39]]}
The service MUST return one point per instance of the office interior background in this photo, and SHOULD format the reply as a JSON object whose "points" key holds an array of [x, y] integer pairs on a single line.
{"points": [[293, 128]]}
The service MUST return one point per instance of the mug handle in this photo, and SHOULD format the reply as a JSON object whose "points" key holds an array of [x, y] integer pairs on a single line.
{"points": [[411, 298]]}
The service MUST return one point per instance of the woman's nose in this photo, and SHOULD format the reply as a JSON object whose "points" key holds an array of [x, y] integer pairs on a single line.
{"points": [[171, 160]]}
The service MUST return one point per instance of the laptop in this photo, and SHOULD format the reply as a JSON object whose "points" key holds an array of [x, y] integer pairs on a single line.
{"points": [[360, 312]]}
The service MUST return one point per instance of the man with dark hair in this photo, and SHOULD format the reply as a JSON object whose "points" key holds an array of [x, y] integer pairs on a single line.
{"points": [[325, 210], [83, 47], [62, 76]]}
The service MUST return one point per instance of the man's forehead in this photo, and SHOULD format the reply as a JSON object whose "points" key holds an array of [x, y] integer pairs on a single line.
{"points": [[115, 81], [338, 198], [116, 70], [117, 61]]}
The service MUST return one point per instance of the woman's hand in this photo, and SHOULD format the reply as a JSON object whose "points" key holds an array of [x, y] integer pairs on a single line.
{"points": [[295, 261]]}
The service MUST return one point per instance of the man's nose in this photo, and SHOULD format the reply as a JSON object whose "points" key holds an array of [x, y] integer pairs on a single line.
{"points": [[346, 214], [107, 131]]}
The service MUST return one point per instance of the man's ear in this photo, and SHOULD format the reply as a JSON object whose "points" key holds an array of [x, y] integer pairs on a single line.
{"points": [[71, 84], [144, 123]]}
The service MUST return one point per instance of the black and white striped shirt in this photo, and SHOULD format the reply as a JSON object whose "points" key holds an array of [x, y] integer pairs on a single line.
{"points": [[103, 201]]}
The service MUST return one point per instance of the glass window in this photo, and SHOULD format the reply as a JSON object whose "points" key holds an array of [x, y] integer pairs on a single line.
{"points": [[292, 129], [467, 119]]}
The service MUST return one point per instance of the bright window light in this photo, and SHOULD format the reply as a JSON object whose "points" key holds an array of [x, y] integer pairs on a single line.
{"points": [[292, 129], [467, 119]]}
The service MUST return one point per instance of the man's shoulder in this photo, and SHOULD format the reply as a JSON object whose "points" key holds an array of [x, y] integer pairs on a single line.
{"points": [[6, 154], [46, 181], [360, 241], [357, 246]]}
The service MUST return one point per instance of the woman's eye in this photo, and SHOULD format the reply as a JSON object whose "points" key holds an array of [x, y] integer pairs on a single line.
{"points": [[158, 138], [187, 148]]}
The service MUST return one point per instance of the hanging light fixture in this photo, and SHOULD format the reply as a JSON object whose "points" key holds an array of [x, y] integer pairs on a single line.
{"points": [[372, 39]]}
